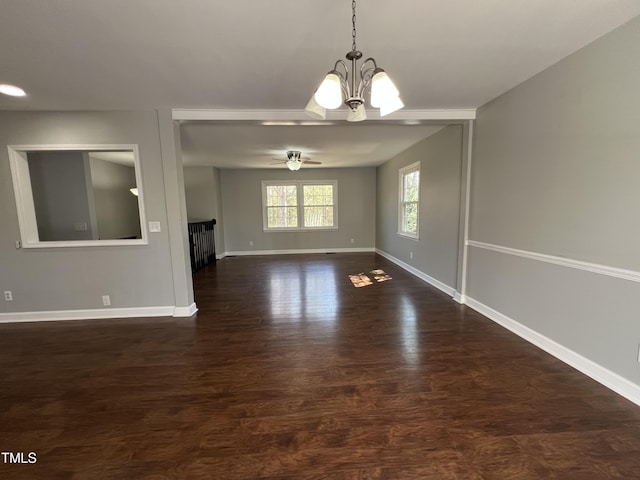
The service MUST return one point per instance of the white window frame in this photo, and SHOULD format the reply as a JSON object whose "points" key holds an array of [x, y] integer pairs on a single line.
{"points": [[402, 173], [18, 162], [299, 184]]}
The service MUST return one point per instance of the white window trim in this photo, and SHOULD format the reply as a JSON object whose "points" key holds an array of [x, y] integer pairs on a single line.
{"points": [[300, 206], [401, 174], [27, 223]]}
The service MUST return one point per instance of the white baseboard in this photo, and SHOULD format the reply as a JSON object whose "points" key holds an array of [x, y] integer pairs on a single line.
{"points": [[609, 379], [458, 297], [96, 314], [185, 311], [421, 275], [296, 251]]}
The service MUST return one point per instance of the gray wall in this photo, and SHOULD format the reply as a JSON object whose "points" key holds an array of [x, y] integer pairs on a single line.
{"points": [[75, 278], [200, 192], [116, 207], [556, 171], [60, 195], [204, 199], [242, 205], [219, 213], [436, 251]]}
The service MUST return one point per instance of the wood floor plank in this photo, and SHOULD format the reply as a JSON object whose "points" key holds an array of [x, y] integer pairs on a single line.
{"points": [[290, 372]]}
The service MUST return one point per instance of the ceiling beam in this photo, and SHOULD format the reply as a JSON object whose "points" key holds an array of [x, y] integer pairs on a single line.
{"points": [[448, 115]]}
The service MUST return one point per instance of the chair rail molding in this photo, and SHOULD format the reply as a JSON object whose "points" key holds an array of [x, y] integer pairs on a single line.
{"points": [[622, 273]]}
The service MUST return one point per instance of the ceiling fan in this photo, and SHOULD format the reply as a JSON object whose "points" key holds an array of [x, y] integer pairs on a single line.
{"points": [[295, 160]]}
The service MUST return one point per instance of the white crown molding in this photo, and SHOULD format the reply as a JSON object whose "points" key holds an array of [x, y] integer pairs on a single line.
{"points": [[298, 115], [630, 275], [421, 275], [600, 374]]}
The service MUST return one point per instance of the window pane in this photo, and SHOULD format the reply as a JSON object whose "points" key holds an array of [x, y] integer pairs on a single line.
{"points": [[308, 194], [410, 218], [318, 216], [318, 194], [282, 217], [281, 195], [411, 186]]}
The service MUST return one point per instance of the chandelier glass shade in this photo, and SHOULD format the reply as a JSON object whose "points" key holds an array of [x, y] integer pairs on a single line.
{"points": [[343, 87], [329, 93], [383, 91]]}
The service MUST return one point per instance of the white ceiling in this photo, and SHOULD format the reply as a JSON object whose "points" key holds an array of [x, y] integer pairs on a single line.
{"points": [[249, 54]]}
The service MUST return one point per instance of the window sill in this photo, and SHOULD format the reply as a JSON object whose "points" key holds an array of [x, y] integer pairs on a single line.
{"points": [[409, 236], [307, 229]]}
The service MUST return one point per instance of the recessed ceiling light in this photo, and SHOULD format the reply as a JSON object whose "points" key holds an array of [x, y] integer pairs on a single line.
{"points": [[12, 90]]}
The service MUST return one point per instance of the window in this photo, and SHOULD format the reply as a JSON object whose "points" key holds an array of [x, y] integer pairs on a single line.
{"points": [[281, 206], [318, 205], [409, 200], [297, 205]]}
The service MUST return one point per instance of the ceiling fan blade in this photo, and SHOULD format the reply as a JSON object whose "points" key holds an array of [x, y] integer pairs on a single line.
{"points": [[312, 162], [277, 163]]}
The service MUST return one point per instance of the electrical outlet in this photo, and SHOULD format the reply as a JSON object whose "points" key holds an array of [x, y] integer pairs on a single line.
{"points": [[353, 241], [106, 300], [8, 296], [18, 244], [154, 227], [411, 255], [251, 243]]}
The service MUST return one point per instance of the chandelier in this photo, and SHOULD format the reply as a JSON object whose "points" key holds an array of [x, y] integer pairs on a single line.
{"points": [[344, 87]]}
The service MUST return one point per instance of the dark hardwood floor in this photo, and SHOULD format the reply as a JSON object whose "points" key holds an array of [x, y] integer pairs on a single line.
{"points": [[290, 372]]}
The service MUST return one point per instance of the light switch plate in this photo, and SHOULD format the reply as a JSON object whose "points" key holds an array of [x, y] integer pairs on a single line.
{"points": [[154, 227]]}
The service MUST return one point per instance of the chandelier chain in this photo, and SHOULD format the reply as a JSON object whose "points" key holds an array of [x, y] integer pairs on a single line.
{"points": [[353, 22]]}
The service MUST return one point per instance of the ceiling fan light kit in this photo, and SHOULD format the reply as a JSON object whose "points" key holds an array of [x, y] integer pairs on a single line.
{"points": [[294, 165], [345, 87], [294, 160]]}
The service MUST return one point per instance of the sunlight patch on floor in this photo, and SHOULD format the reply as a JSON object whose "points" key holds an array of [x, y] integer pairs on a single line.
{"points": [[363, 280]]}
